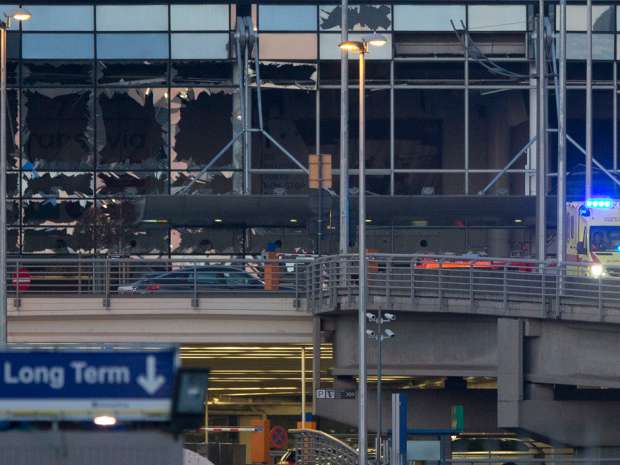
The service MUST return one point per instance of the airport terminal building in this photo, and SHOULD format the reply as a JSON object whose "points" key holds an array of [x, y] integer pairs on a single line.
{"points": [[164, 129]]}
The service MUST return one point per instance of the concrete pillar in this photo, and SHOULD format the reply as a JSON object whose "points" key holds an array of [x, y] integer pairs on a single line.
{"points": [[509, 371]]}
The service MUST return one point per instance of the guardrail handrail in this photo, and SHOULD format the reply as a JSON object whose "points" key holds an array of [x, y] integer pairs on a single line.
{"points": [[313, 447]]}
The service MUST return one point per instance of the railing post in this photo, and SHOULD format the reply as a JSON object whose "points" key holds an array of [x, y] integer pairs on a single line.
{"points": [[505, 287], [195, 287], [17, 302], [471, 286], [296, 302], [79, 273], [412, 272], [440, 285], [106, 280], [388, 279], [600, 298], [543, 298]]}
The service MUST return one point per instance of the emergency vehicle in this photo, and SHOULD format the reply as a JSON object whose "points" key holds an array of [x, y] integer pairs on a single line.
{"points": [[593, 233]]}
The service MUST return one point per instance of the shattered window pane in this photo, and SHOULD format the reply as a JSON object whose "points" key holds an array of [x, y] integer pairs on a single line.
{"points": [[132, 73], [289, 117], [361, 17], [132, 17], [59, 18], [12, 212], [52, 211], [60, 241], [212, 182], [12, 240], [282, 74], [279, 184], [133, 46], [69, 46], [202, 72], [114, 225], [12, 130], [58, 129], [298, 46], [131, 183], [186, 46], [201, 126], [199, 17], [58, 185], [12, 184], [204, 241], [497, 17], [43, 73], [287, 17], [132, 128]]}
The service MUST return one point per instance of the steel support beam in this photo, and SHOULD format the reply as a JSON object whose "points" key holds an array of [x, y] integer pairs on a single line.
{"points": [[588, 181], [541, 169], [561, 181], [344, 133]]}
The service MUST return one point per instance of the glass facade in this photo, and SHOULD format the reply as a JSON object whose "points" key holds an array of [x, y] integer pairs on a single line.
{"points": [[109, 102]]}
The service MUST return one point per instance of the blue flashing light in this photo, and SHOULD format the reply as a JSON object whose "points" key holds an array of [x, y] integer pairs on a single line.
{"points": [[599, 203]]}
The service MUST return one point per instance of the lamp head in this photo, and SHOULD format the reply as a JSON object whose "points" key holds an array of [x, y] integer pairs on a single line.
{"points": [[370, 333], [371, 317], [389, 316], [19, 14], [376, 40], [388, 333], [352, 46]]}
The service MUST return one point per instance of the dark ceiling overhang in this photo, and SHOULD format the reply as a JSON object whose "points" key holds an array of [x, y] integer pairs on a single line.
{"points": [[301, 210]]}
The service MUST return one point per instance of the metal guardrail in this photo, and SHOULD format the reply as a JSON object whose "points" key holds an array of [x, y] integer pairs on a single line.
{"points": [[497, 286], [193, 278], [314, 447]]}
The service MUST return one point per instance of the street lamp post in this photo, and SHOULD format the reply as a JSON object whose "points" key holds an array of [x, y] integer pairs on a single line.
{"points": [[17, 15], [380, 336], [361, 47]]}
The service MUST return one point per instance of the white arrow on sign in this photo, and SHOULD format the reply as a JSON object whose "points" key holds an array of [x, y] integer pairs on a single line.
{"points": [[151, 382]]}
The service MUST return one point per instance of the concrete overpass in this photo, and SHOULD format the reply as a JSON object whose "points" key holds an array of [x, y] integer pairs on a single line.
{"points": [[548, 335]]}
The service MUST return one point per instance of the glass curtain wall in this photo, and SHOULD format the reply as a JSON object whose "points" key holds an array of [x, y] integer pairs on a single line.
{"points": [[109, 102]]}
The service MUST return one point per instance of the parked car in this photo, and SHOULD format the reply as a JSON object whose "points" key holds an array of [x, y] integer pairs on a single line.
{"points": [[478, 449], [218, 278]]}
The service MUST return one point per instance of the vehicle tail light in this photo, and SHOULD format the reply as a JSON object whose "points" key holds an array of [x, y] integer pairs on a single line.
{"points": [[153, 287]]}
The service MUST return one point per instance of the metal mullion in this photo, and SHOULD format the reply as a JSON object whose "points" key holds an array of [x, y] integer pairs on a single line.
{"points": [[392, 128]]}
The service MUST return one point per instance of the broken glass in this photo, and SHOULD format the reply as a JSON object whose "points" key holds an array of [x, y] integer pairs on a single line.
{"points": [[60, 241], [279, 184], [193, 72], [131, 183], [51, 211], [12, 184], [145, 73], [132, 128], [12, 130], [287, 74], [361, 17], [57, 184], [12, 212], [57, 129], [212, 182], [201, 126], [45, 73], [289, 117], [204, 241]]}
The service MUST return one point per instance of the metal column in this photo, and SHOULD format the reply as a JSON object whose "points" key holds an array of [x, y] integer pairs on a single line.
{"points": [[316, 360], [541, 169], [588, 181], [344, 132], [363, 270], [561, 197], [3, 230]]}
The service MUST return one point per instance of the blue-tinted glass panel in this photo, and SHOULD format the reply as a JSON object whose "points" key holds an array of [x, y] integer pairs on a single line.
{"points": [[428, 17], [287, 17], [119, 46], [199, 17], [62, 46], [197, 46], [132, 17], [361, 17], [60, 18], [602, 46], [497, 18]]}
